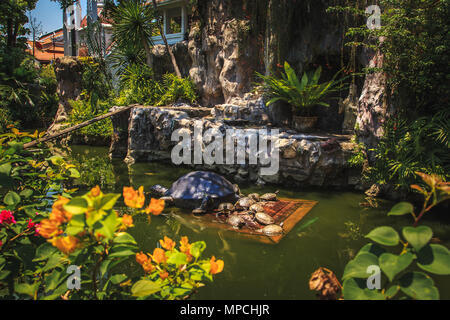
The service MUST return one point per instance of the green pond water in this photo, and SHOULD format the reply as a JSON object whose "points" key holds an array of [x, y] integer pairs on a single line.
{"points": [[254, 270]]}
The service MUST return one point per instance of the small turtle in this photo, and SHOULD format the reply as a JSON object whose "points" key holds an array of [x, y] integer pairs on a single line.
{"points": [[235, 221], [249, 221], [257, 207], [272, 230], [254, 196], [269, 197], [244, 203], [225, 207], [264, 218]]}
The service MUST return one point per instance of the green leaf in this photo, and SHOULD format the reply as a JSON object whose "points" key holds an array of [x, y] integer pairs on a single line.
{"points": [[108, 201], [419, 286], [11, 199], [76, 224], [356, 289], [372, 248], [392, 264], [434, 258], [124, 237], [144, 288], [44, 251], [418, 237], [26, 193], [118, 278], [74, 173], [54, 261], [401, 208], [384, 235], [76, 205], [177, 258], [122, 253], [357, 268], [197, 248], [25, 288], [107, 226], [56, 160], [392, 291]]}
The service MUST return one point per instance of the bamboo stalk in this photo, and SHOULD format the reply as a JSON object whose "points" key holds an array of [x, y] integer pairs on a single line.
{"points": [[76, 127]]}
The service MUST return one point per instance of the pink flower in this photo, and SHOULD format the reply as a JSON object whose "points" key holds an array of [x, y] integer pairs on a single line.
{"points": [[1, 243], [34, 225], [6, 216]]}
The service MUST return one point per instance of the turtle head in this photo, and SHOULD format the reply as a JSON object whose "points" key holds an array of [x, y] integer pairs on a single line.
{"points": [[158, 190], [237, 191]]}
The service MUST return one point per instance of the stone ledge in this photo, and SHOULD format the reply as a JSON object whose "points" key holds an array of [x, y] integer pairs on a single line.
{"points": [[144, 135]]}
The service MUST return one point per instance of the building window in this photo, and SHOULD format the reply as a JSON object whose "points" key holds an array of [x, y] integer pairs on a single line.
{"points": [[174, 21], [174, 15]]}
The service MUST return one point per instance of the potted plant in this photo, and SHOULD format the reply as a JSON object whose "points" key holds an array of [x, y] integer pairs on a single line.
{"points": [[303, 95]]}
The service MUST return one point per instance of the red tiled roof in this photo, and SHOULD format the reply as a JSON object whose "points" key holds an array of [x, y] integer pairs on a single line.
{"points": [[45, 50]]}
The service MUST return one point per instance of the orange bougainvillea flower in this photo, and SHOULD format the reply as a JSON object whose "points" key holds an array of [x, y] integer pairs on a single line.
{"points": [[141, 258], [216, 266], [49, 228], [164, 275], [155, 207], [159, 255], [148, 267], [95, 191], [66, 244], [185, 247], [167, 244], [134, 198], [58, 213], [127, 220]]}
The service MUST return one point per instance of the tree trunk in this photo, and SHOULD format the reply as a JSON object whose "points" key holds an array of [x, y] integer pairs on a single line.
{"points": [[148, 53], [76, 127], [163, 36]]}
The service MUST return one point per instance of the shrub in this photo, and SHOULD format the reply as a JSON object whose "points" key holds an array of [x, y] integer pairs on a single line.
{"points": [[177, 90], [46, 235], [302, 94]]}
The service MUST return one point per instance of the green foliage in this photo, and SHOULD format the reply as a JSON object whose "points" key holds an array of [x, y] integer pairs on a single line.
{"points": [[134, 24], [24, 98], [83, 110], [416, 253], [95, 99], [138, 86], [409, 146], [42, 234], [414, 42], [301, 94], [96, 82], [175, 89]]}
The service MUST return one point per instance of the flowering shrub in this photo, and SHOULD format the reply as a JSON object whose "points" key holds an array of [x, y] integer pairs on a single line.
{"points": [[175, 273], [41, 243]]}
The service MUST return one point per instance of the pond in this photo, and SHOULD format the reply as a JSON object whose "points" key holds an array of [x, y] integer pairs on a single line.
{"points": [[254, 270]]}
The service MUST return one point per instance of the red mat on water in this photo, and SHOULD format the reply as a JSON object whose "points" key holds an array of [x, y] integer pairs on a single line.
{"points": [[286, 211]]}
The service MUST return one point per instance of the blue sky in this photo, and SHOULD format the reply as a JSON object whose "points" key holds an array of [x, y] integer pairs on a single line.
{"points": [[50, 15]]}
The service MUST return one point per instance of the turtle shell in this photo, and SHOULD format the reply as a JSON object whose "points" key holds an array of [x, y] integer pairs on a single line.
{"points": [[272, 230], [268, 197], [257, 207], [264, 218], [244, 203], [235, 220], [189, 190]]}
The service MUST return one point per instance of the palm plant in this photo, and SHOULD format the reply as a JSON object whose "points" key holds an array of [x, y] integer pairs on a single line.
{"points": [[133, 25], [301, 94]]}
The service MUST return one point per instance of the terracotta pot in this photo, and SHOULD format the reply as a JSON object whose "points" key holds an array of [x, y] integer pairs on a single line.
{"points": [[304, 124]]}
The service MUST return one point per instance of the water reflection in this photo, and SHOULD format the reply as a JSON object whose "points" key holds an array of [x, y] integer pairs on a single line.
{"points": [[253, 270]]}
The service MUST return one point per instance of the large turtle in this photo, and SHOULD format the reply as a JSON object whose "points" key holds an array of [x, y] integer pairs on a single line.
{"points": [[199, 190]]}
